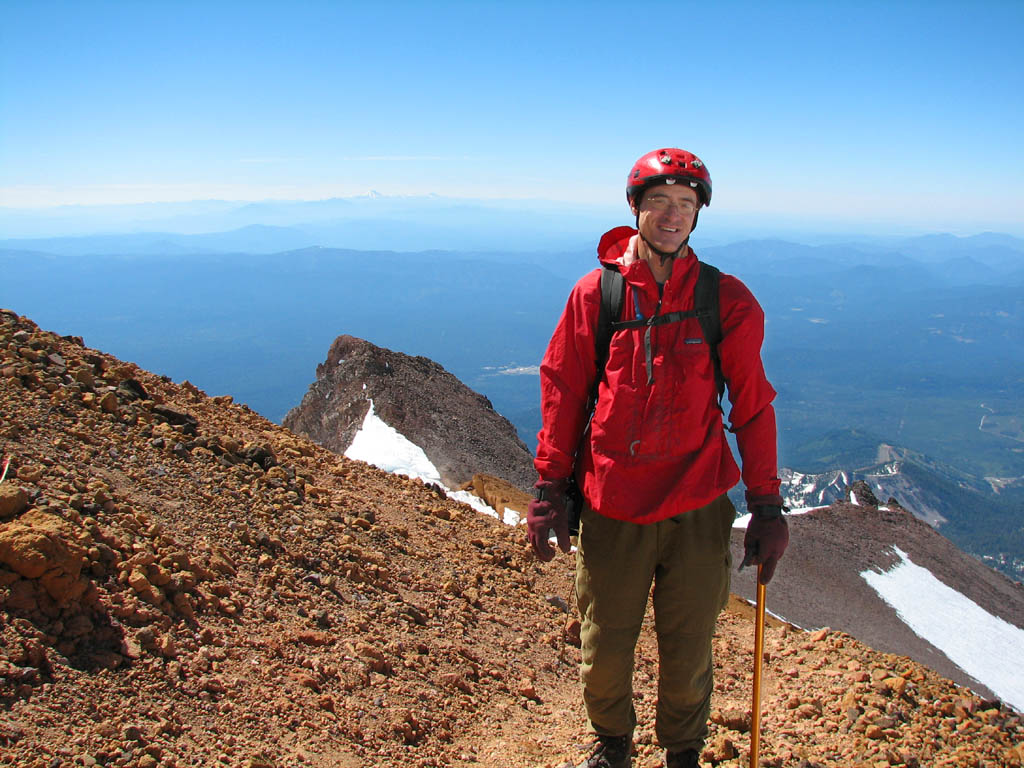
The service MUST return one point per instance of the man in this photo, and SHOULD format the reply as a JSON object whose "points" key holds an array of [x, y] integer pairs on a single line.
{"points": [[653, 464]]}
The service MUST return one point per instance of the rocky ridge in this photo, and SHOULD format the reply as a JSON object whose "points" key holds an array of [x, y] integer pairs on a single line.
{"points": [[183, 583], [886, 480], [457, 428], [819, 581], [920, 483]]}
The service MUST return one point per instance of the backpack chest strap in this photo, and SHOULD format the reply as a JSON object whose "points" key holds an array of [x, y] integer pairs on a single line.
{"points": [[706, 310], [645, 322], [649, 322]]}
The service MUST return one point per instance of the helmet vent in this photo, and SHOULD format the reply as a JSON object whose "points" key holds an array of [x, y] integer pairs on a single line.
{"points": [[668, 166]]}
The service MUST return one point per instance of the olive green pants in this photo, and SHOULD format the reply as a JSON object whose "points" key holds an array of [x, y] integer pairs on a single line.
{"points": [[687, 559]]}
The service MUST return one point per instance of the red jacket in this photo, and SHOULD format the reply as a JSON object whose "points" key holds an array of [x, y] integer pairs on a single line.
{"points": [[656, 450]]}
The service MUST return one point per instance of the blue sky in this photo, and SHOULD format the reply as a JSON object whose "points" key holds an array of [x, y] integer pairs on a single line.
{"points": [[900, 115]]}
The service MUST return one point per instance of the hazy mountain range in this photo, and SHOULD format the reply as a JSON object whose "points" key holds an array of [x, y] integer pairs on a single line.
{"points": [[369, 221], [911, 342]]}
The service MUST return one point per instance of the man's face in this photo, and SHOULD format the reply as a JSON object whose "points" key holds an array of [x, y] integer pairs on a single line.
{"points": [[666, 215]]}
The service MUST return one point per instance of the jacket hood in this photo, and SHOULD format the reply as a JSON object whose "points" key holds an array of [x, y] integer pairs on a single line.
{"points": [[618, 246]]}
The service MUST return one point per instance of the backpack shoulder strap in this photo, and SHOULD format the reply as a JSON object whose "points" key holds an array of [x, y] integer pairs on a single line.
{"points": [[613, 291], [705, 301]]}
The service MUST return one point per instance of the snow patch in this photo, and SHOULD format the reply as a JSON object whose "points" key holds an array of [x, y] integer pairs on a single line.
{"points": [[384, 447], [743, 520], [511, 517], [378, 444], [513, 370], [976, 641]]}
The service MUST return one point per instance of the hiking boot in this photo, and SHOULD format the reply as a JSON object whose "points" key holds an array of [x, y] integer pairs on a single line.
{"points": [[610, 752], [688, 758]]}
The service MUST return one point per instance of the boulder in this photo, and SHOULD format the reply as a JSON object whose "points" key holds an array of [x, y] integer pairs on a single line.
{"points": [[499, 494], [13, 501], [42, 546]]}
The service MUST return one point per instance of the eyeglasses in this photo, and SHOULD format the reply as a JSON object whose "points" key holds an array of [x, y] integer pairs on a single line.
{"points": [[662, 203]]}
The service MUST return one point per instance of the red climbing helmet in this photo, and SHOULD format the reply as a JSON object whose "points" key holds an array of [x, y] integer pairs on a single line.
{"points": [[667, 166]]}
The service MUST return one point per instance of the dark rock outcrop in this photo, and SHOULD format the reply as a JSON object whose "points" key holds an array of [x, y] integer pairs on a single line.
{"points": [[457, 428], [863, 494]]}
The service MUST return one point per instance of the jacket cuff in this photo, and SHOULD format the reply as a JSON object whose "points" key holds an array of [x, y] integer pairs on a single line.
{"points": [[766, 512], [763, 500], [545, 489]]}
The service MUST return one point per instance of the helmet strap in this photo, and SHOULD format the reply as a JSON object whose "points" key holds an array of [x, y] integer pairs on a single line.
{"points": [[662, 255]]}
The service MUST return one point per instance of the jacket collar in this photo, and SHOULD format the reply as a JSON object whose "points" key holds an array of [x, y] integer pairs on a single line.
{"points": [[618, 247]]}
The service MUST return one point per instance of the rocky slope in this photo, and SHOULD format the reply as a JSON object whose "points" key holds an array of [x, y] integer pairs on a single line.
{"points": [[183, 583], [417, 397]]}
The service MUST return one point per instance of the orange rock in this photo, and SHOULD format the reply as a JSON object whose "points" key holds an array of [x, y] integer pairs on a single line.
{"points": [[30, 474], [41, 545], [572, 632], [499, 494], [897, 685], [527, 689], [108, 403], [13, 501], [721, 748]]}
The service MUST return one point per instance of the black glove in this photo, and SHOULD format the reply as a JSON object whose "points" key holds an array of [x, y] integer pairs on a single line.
{"points": [[766, 539], [547, 512]]}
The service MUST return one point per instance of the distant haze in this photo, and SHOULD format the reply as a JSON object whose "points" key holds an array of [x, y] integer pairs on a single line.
{"points": [[885, 118], [403, 223]]}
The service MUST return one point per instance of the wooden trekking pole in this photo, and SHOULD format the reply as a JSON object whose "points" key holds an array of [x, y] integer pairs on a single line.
{"points": [[755, 720]]}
